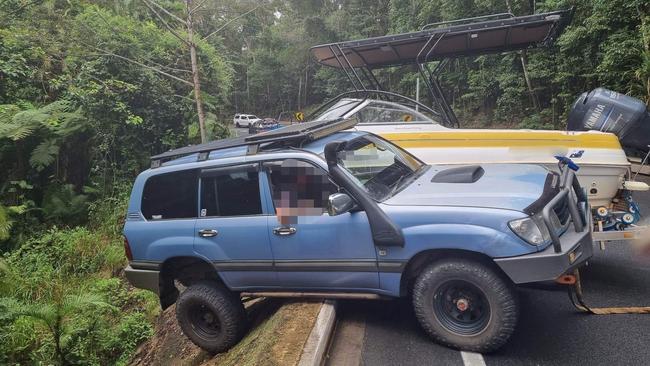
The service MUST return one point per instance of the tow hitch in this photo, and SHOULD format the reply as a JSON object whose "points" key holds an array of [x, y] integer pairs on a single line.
{"points": [[578, 301]]}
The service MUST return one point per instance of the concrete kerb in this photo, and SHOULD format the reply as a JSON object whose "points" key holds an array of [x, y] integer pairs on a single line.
{"points": [[315, 348]]}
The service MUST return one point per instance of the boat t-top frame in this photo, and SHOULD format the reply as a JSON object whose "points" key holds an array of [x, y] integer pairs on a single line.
{"points": [[437, 42]]}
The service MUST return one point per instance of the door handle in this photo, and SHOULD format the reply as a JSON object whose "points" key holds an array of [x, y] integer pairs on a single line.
{"points": [[208, 233], [284, 231]]}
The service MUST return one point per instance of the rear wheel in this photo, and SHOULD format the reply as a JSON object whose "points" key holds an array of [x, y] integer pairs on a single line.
{"points": [[465, 304], [212, 317]]}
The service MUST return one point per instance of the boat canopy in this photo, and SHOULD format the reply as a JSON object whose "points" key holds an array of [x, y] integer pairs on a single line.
{"points": [[439, 41]]}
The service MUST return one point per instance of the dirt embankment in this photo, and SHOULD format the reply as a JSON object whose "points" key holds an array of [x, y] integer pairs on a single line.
{"points": [[278, 331]]}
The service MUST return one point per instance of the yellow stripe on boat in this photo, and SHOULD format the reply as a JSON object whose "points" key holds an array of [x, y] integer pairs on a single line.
{"points": [[511, 138]]}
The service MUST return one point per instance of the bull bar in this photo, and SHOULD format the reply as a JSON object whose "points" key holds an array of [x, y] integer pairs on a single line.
{"points": [[568, 184], [565, 253]]}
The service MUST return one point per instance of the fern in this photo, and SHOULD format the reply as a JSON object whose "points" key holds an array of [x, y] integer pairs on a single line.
{"points": [[5, 223], [44, 154], [59, 117], [64, 205], [53, 122], [56, 316]]}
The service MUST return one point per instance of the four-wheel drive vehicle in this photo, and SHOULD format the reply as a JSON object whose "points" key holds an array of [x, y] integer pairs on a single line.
{"points": [[244, 120], [362, 218]]}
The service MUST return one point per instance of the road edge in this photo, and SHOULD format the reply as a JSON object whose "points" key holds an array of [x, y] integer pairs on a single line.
{"points": [[315, 349]]}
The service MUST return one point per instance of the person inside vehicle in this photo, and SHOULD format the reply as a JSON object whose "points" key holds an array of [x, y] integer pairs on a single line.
{"points": [[299, 189]]}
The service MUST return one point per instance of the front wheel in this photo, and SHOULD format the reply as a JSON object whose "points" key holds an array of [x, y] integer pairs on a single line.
{"points": [[466, 305], [212, 317]]}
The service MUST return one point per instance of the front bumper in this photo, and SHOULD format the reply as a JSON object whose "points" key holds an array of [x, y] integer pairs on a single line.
{"points": [[566, 252], [547, 265], [143, 278]]}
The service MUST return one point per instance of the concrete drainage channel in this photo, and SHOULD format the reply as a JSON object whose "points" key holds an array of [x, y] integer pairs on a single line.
{"points": [[315, 348]]}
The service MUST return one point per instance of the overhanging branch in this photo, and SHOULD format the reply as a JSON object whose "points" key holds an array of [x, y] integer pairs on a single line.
{"points": [[155, 69], [230, 21], [167, 12], [169, 28], [200, 4]]}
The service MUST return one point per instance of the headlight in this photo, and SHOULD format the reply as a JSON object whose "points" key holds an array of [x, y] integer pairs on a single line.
{"points": [[531, 229]]}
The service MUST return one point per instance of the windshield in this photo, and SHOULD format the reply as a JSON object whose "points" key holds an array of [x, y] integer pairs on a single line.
{"points": [[376, 112], [391, 113], [378, 166], [340, 109]]}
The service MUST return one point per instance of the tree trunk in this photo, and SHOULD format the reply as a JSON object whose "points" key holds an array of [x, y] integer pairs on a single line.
{"points": [[529, 84], [645, 34], [524, 66], [196, 82], [299, 90], [56, 334]]}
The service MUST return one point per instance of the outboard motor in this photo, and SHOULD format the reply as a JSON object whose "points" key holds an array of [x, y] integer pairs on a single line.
{"points": [[608, 111], [626, 117]]}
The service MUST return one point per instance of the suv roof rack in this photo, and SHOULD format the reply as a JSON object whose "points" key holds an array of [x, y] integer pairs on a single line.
{"points": [[292, 135]]}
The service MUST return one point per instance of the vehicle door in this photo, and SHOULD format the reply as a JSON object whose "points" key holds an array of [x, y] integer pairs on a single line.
{"points": [[231, 229], [313, 249]]}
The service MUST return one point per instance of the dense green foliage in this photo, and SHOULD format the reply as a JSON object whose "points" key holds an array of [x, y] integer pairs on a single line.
{"points": [[63, 300], [90, 89]]}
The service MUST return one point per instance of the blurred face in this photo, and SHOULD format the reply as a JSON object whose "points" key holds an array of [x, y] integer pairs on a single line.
{"points": [[299, 189]]}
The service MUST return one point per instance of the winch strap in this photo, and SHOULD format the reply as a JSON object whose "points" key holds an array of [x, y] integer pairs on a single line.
{"points": [[579, 303]]}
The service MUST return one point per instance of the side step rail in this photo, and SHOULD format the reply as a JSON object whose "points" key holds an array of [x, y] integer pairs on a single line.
{"points": [[315, 295]]}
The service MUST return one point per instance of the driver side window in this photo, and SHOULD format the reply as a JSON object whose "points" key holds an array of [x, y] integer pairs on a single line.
{"points": [[298, 188]]}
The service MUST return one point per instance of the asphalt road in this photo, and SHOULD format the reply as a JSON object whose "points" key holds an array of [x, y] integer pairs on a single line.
{"points": [[241, 131], [550, 330]]}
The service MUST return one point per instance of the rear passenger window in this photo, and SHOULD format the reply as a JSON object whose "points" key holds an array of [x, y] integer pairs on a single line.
{"points": [[231, 191], [170, 196]]}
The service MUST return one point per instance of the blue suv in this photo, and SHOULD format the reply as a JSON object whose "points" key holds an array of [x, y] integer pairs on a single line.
{"points": [[322, 210]]}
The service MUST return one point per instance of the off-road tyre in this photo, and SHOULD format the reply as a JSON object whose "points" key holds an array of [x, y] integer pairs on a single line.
{"points": [[433, 301], [211, 316], [237, 125]]}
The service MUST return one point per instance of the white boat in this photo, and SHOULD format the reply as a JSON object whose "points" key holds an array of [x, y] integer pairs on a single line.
{"points": [[433, 134]]}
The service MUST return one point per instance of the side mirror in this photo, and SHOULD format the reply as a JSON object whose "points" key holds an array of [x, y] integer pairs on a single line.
{"points": [[339, 203]]}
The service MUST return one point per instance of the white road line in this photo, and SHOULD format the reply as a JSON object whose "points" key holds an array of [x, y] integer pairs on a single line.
{"points": [[472, 358]]}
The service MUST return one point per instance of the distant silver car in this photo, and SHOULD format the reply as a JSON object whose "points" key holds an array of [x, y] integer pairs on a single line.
{"points": [[265, 124], [245, 120]]}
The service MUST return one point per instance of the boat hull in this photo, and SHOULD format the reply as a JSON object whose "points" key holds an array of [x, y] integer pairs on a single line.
{"points": [[603, 164]]}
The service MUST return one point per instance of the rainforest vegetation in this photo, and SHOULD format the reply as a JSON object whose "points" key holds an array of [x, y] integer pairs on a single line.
{"points": [[90, 89]]}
